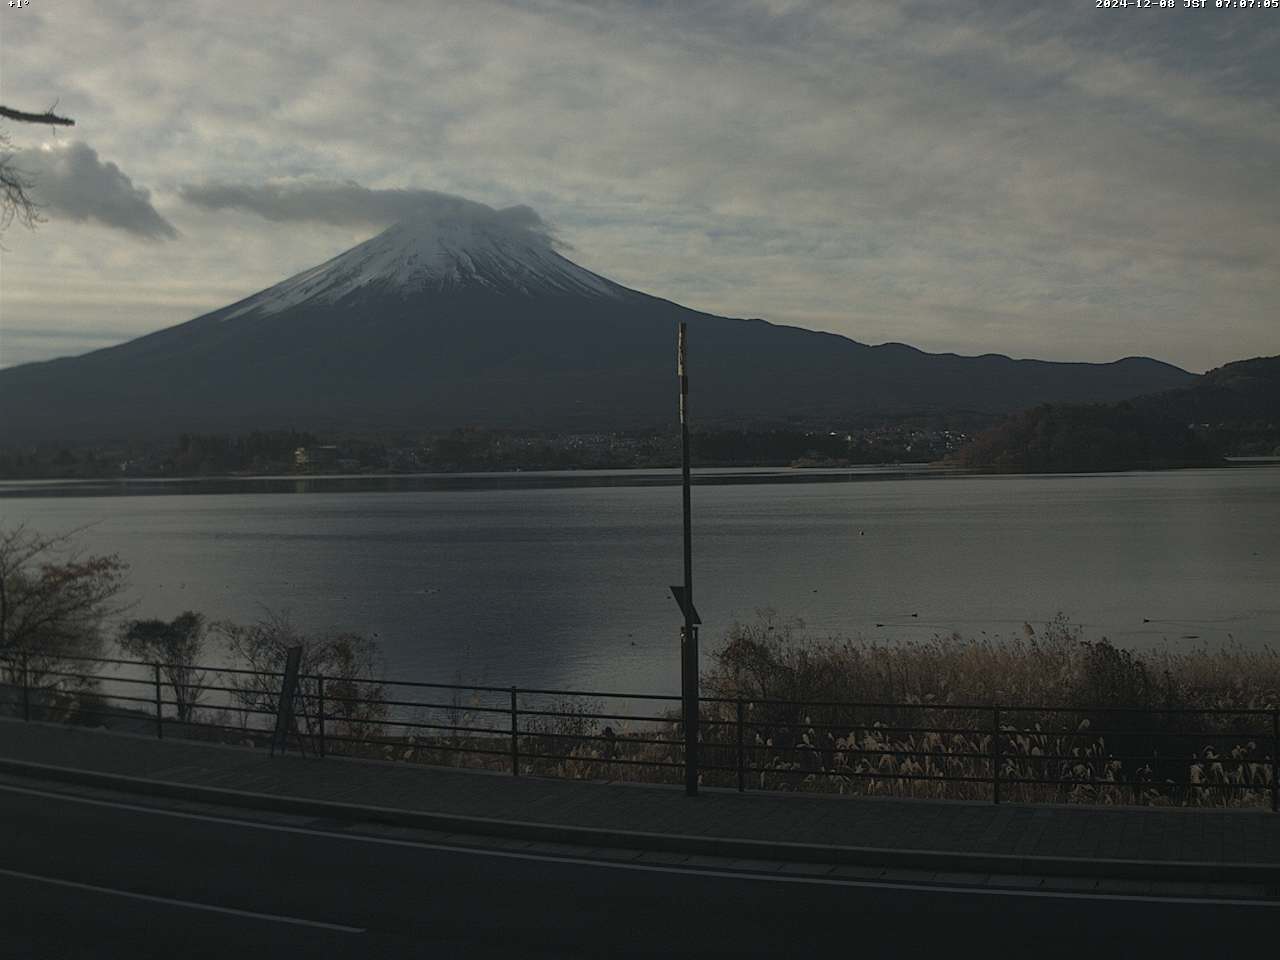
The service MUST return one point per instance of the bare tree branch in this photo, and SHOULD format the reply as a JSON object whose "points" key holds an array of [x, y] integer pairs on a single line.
{"points": [[15, 192], [47, 117], [15, 185]]}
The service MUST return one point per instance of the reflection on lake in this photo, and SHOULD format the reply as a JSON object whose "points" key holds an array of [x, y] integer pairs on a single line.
{"points": [[561, 579]]}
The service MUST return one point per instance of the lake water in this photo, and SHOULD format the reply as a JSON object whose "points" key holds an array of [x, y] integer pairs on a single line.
{"points": [[561, 579]]}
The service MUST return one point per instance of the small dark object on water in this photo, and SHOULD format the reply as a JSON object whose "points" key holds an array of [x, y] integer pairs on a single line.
{"points": [[1191, 636], [915, 614], [879, 624], [1145, 620]]}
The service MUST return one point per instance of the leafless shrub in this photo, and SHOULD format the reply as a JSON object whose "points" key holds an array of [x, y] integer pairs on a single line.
{"points": [[348, 663]]}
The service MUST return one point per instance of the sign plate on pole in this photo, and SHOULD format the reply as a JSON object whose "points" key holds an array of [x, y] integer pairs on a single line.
{"points": [[691, 614]]}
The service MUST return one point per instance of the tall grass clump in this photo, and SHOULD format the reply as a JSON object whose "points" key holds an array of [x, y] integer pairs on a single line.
{"points": [[1097, 722]]}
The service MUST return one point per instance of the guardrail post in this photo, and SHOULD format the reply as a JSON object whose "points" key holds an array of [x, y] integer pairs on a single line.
{"points": [[742, 773], [1275, 761], [159, 711], [26, 688], [320, 711], [515, 735], [995, 754]]}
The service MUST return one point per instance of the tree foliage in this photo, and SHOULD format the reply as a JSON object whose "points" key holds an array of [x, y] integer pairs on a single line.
{"points": [[218, 453], [1068, 438], [53, 603], [177, 645]]}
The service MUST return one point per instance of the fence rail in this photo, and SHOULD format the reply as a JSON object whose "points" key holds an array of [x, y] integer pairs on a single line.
{"points": [[999, 752]]}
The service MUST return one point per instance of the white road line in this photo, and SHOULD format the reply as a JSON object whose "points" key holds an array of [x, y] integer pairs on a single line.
{"points": [[171, 902], [651, 867]]}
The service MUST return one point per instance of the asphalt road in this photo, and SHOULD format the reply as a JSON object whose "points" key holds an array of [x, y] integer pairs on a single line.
{"points": [[101, 879]]}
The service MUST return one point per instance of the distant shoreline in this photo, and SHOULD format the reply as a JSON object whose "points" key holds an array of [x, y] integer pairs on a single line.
{"points": [[533, 479]]}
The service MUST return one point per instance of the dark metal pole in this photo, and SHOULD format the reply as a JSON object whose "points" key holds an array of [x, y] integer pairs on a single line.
{"points": [[742, 773], [159, 711], [689, 658], [320, 711], [26, 688], [515, 736], [1275, 761], [995, 754]]}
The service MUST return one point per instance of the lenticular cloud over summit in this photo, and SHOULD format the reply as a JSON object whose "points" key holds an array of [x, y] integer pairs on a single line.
{"points": [[438, 243], [346, 203]]}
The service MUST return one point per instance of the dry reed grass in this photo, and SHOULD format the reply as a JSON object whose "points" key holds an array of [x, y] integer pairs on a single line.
{"points": [[1088, 721]]}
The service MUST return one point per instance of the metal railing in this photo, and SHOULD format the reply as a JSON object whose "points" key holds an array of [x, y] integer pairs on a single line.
{"points": [[996, 752]]}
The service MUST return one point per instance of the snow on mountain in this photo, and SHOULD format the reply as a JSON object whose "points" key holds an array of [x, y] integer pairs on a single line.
{"points": [[439, 253]]}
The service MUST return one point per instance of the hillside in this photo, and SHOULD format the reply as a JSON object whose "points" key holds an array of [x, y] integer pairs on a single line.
{"points": [[1231, 410], [435, 324]]}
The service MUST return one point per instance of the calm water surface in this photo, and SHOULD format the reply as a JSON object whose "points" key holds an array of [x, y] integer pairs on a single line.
{"points": [[542, 580]]}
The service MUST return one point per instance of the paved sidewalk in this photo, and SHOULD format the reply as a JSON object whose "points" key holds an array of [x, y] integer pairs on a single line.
{"points": [[1193, 844]]}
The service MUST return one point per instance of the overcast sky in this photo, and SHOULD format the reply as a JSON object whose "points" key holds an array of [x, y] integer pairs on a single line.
{"points": [[1038, 178]]}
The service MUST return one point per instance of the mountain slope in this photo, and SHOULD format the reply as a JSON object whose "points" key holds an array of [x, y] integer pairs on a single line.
{"points": [[1245, 390], [437, 323], [1231, 410]]}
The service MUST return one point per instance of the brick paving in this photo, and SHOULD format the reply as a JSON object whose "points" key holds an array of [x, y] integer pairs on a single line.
{"points": [[1199, 836]]}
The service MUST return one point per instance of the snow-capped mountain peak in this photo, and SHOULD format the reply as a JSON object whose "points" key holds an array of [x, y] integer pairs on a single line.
{"points": [[441, 252]]}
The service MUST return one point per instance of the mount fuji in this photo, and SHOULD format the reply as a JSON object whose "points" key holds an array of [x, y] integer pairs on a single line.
{"points": [[464, 318]]}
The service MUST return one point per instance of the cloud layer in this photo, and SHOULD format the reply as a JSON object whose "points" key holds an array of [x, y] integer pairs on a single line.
{"points": [[350, 204], [72, 183]]}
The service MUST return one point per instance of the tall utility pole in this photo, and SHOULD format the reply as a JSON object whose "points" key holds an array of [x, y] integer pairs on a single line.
{"points": [[689, 635]]}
